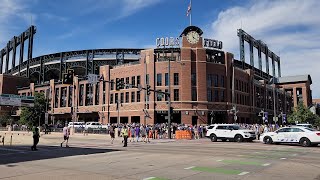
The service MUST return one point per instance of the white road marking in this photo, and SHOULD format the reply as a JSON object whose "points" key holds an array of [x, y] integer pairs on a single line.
{"points": [[267, 164], [220, 160], [148, 178], [283, 158], [189, 167], [243, 173], [294, 154]]}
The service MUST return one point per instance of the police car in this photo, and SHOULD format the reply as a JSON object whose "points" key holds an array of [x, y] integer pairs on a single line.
{"points": [[229, 132], [296, 134]]}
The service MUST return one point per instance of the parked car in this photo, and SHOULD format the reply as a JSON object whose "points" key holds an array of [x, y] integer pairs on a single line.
{"points": [[305, 125], [297, 134], [93, 125], [229, 132], [76, 124]]}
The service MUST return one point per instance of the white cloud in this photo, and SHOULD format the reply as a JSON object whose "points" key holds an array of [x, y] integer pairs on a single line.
{"points": [[289, 26]]}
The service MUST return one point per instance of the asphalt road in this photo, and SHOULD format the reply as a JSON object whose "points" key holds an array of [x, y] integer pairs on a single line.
{"points": [[96, 158]]}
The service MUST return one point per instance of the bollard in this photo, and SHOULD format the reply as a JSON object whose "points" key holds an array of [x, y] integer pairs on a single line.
{"points": [[3, 140], [11, 140]]}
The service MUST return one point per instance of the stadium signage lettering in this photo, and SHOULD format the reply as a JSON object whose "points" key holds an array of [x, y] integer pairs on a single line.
{"points": [[167, 41], [211, 43]]}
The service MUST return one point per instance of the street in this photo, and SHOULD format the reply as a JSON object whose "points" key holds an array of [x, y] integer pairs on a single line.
{"points": [[94, 157]]}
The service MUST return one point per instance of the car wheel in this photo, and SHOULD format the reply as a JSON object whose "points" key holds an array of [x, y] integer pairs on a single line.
{"points": [[213, 138], [305, 142], [238, 138], [267, 140]]}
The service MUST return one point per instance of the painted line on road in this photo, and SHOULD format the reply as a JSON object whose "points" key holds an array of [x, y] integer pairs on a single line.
{"points": [[219, 170], [241, 162], [149, 178], [283, 158], [154, 178], [243, 173], [189, 167], [267, 164]]}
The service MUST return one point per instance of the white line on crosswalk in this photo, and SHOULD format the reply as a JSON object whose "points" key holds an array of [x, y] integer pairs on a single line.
{"points": [[189, 167], [220, 160], [283, 158], [267, 164], [243, 173], [148, 178]]}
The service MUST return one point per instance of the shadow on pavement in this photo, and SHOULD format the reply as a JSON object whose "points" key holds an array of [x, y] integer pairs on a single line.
{"points": [[16, 154]]}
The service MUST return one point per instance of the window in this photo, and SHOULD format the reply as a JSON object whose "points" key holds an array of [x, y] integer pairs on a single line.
{"points": [[81, 94], [159, 96], [209, 80], [209, 94], [89, 94], [166, 96], [56, 99], [138, 96], [210, 127], [159, 79], [121, 97], [176, 95], [216, 95], [138, 80], [166, 79], [283, 130], [176, 79], [133, 96], [127, 82], [122, 81], [104, 92], [222, 81], [127, 97], [111, 98], [111, 84], [221, 127], [222, 96], [116, 98], [133, 80], [97, 93], [194, 94], [193, 79], [63, 100], [147, 79], [296, 130], [215, 80], [70, 96]]}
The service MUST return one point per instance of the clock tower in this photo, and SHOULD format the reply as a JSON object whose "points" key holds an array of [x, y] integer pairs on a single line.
{"points": [[192, 37]]}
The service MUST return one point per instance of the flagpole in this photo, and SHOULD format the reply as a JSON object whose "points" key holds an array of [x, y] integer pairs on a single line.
{"points": [[190, 13]]}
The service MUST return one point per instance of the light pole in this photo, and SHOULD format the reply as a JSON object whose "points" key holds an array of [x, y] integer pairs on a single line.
{"points": [[169, 97], [234, 106]]}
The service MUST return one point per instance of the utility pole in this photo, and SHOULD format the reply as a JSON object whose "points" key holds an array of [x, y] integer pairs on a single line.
{"points": [[169, 97], [146, 93], [274, 101]]}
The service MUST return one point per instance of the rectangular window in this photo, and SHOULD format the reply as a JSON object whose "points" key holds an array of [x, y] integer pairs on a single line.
{"points": [[70, 96], [63, 99], [133, 96], [222, 81], [81, 94], [159, 96], [122, 82], [111, 98], [133, 81], [166, 96], [121, 97], [176, 94], [138, 80], [216, 95], [112, 84], [176, 79], [193, 79], [116, 97], [209, 80], [104, 92], [138, 96], [159, 79], [194, 94], [209, 94], [89, 95], [127, 97], [216, 81], [56, 102], [236, 86], [166, 79], [222, 96], [127, 82], [147, 79], [97, 93]]}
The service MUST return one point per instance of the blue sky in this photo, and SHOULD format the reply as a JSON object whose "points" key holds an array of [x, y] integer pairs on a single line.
{"points": [[291, 28]]}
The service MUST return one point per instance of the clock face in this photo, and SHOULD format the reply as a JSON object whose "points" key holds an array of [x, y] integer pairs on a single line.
{"points": [[193, 37]]}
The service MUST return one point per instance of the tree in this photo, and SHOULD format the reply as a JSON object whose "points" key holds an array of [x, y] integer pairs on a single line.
{"points": [[30, 115], [303, 115], [5, 119]]}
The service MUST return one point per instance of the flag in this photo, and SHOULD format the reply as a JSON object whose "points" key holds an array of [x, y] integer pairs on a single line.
{"points": [[189, 9]]}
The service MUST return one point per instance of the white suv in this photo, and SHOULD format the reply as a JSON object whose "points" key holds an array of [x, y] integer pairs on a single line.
{"points": [[93, 125], [229, 132], [76, 124]]}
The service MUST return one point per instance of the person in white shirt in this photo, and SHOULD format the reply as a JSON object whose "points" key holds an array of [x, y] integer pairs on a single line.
{"points": [[66, 134]]}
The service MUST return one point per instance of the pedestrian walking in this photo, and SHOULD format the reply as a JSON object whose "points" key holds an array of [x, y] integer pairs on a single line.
{"points": [[35, 136], [111, 130], [66, 134], [137, 133], [124, 133], [132, 131]]}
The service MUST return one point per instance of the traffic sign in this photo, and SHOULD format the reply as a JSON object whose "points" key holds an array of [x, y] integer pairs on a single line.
{"points": [[16, 100]]}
